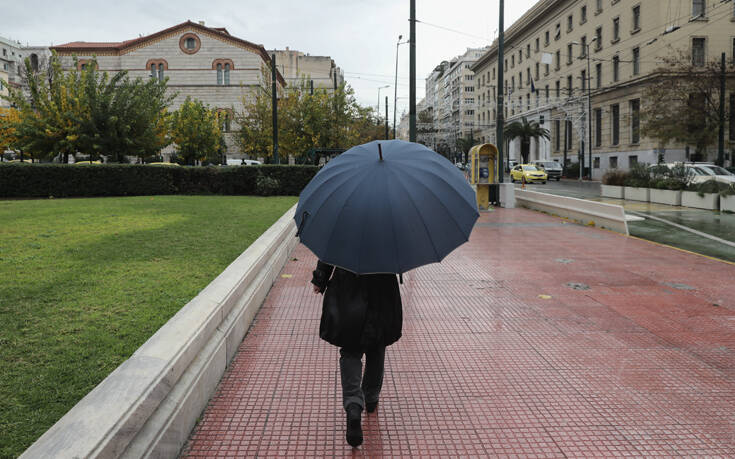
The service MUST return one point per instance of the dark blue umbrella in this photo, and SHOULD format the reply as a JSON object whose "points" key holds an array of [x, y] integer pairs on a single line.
{"points": [[386, 207]]}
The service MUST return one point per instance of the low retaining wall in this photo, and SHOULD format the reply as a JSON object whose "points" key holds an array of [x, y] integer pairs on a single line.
{"points": [[148, 406], [607, 216]]}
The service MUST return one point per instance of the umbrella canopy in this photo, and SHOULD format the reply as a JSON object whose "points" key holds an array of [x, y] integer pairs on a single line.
{"points": [[386, 207]]}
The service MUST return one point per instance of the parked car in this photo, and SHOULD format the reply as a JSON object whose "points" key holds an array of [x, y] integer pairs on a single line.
{"points": [[243, 162], [702, 172], [529, 172], [552, 169]]}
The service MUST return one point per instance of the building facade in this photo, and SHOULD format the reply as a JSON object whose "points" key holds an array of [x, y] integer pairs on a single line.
{"points": [[205, 63], [4, 83], [319, 71], [561, 50], [450, 97]]}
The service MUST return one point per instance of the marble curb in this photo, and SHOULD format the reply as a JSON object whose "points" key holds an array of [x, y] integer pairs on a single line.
{"points": [[608, 216], [149, 404]]}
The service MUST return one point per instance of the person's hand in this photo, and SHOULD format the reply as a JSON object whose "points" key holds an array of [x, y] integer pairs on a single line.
{"points": [[316, 289]]}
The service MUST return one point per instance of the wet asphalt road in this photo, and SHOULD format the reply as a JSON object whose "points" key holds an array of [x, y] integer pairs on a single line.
{"points": [[720, 225]]}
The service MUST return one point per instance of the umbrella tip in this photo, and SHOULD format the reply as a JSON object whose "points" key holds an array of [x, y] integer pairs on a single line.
{"points": [[380, 152]]}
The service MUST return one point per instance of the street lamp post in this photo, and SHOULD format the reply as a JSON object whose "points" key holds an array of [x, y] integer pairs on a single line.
{"points": [[395, 90], [589, 112]]}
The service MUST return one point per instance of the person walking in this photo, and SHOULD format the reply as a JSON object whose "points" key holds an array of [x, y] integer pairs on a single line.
{"points": [[361, 314]]}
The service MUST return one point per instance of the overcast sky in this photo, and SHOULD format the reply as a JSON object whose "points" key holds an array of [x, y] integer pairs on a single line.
{"points": [[360, 35]]}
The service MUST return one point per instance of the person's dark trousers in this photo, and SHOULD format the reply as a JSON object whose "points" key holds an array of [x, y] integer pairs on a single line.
{"points": [[357, 388]]}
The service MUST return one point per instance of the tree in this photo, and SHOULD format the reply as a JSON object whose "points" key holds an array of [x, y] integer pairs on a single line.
{"points": [[87, 111], [464, 145], [50, 116], [197, 132], [525, 131], [306, 121], [682, 103], [124, 117], [9, 118]]}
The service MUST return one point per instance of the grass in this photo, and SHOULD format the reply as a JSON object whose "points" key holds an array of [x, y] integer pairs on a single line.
{"points": [[85, 282]]}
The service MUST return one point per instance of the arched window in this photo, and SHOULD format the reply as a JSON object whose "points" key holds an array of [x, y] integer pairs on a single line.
{"points": [[160, 72], [219, 74], [227, 74], [153, 70]]}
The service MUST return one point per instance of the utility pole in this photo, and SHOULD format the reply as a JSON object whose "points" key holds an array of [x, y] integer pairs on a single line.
{"points": [[311, 87], [386, 119], [395, 88], [589, 110], [412, 76], [721, 139], [500, 118], [274, 102]]}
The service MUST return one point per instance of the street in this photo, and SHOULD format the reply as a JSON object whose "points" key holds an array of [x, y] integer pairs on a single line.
{"points": [[716, 224]]}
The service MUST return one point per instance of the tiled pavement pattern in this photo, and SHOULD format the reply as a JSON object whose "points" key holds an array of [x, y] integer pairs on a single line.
{"points": [[640, 364]]}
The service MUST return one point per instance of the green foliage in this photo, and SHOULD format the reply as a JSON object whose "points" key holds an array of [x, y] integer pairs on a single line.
{"points": [[87, 111], [664, 178], [713, 186], [197, 132], [572, 170], [306, 121], [639, 176], [18, 180], [266, 186], [613, 177], [526, 131], [87, 281]]}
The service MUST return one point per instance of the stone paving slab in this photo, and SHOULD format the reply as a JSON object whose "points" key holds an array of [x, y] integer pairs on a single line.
{"points": [[501, 356]]}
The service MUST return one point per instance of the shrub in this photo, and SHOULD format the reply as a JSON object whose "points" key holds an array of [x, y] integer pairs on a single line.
{"points": [[19, 180], [572, 170], [267, 186], [639, 176], [669, 178], [713, 186], [614, 177]]}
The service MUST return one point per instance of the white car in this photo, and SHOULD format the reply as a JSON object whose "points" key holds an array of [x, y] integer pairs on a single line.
{"points": [[702, 172], [243, 162]]}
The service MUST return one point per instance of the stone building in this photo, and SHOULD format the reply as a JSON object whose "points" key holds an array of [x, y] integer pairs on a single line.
{"points": [[205, 63], [546, 73], [296, 66]]}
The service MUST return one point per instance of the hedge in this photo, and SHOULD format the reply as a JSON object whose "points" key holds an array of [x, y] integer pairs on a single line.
{"points": [[19, 180]]}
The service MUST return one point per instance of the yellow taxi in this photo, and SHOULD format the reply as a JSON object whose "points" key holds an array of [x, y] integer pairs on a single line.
{"points": [[529, 172]]}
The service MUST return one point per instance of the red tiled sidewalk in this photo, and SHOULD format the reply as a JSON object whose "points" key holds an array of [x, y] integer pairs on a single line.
{"points": [[641, 363]]}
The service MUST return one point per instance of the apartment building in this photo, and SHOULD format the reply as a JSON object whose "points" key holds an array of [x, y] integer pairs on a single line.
{"points": [[450, 96], [205, 63], [319, 71], [561, 50]]}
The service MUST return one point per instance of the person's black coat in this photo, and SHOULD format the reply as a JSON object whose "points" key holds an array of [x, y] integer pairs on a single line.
{"points": [[359, 311]]}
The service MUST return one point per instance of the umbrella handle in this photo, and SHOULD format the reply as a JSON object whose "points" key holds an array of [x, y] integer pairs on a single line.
{"points": [[303, 222]]}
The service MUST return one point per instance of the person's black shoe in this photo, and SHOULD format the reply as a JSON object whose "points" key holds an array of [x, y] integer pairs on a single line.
{"points": [[371, 406], [354, 425]]}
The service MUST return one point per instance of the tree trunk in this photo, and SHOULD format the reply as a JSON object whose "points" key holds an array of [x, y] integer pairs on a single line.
{"points": [[525, 150]]}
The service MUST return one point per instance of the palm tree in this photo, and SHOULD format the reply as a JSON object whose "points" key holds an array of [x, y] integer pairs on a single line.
{"points": [[525, 131]]}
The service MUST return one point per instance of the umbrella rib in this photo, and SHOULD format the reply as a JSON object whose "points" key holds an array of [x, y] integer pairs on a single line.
{"points": [[354, 190], [443, 205], [418, 167], [413, 203]]}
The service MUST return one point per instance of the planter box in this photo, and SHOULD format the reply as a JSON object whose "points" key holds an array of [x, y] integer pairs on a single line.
{"points": [[612, 191], [637, 194], [727, 203], [670, 197], [710, 201]]}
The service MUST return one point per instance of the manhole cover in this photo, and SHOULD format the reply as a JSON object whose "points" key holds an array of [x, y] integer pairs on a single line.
{"points": [[578, 286], [566, 261], [679, 286]]}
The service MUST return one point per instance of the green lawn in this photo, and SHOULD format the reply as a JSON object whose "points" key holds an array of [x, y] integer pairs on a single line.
{"points": [[85, 282]]}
